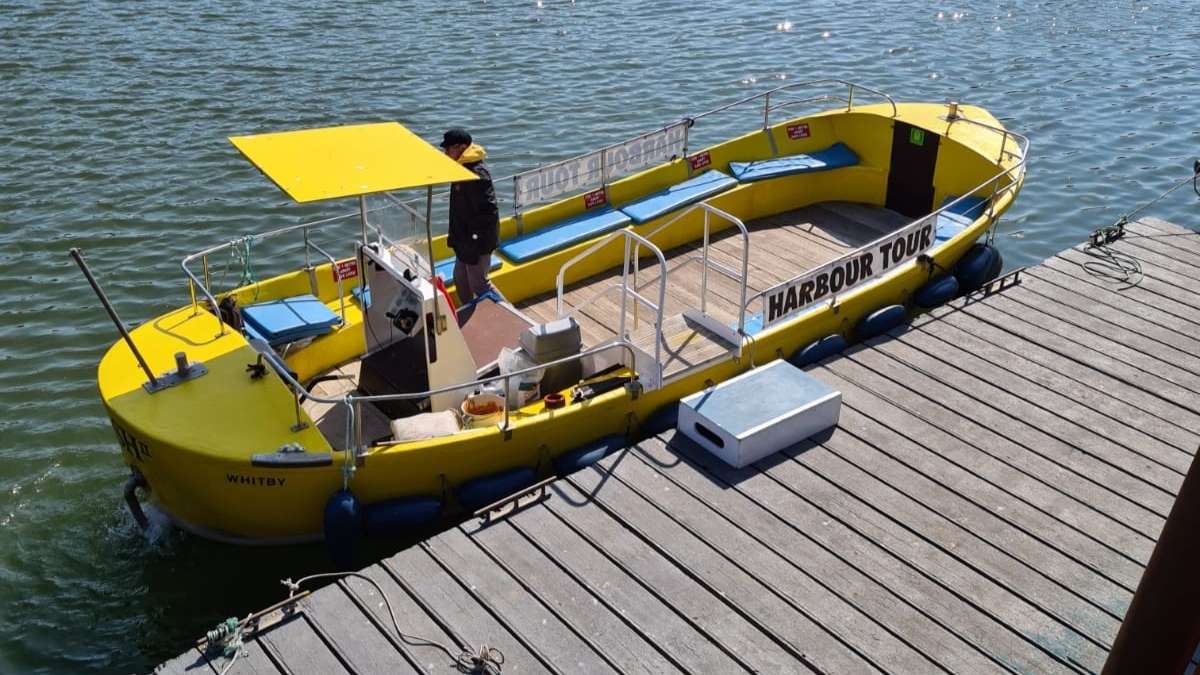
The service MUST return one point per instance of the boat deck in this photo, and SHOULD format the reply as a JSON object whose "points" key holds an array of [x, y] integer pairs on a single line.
{"points": [[994, 488], [781, 247]]}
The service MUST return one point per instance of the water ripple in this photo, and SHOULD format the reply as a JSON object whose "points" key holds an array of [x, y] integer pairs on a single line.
{"points": [[113, 136]]}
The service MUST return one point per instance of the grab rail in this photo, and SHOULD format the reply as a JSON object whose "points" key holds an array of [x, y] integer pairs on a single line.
{"points": [[707, 264], [768, 107], [630, 237], [1015, 173], [354, 402]]}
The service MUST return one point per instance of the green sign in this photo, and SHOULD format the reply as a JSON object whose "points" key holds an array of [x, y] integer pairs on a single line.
{"points": [[916, 136]]}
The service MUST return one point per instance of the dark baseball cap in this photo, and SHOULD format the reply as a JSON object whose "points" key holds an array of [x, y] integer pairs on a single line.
{"points": [[455, 136]]}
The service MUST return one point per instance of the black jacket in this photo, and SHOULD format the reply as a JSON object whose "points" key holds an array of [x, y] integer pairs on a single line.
{"points": [[474, 217]]}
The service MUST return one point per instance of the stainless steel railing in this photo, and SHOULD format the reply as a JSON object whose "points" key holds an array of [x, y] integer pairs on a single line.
{"points": [[355, 402], [627, 292], [1014, 174], [706, 263]]}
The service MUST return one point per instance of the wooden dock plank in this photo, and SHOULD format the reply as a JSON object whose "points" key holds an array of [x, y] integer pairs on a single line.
{"points": [[620, 644], [294, 643], [772, 612], [1045, 365], [1079, 405], [987, 502], [474, 621], [892, 593], [1046, 632], [364, 646], [657, 619], [1037, 482], [560, 641], [840, 616], [933, 526], [1089, 448], [737, 631], [977, 512], [1031, 505], [1035, 451]]}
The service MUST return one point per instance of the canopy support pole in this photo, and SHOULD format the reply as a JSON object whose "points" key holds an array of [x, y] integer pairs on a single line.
{"points": [[362, 211], [437, 315]]}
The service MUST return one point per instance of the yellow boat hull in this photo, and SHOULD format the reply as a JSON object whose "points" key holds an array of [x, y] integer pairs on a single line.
{"points": [[193, 442]]}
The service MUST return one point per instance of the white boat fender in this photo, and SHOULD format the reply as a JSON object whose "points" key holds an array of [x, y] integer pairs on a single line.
{"points": [[936, 291], [343, 528], [588, 454], [979, 265], [818, 350], [880, 321]]}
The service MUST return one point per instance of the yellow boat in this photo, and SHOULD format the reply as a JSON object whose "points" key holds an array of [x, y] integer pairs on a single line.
{"points": [[355, 396]]}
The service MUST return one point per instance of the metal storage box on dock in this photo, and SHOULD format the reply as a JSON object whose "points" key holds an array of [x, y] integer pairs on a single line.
{"points": [[759, 413]]}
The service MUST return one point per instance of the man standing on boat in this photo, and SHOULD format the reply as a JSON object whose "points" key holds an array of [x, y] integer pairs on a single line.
{"points": [[474, 218]]}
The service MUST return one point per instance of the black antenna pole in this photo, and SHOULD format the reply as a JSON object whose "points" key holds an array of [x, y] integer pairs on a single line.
{"points": [[112, 314]]}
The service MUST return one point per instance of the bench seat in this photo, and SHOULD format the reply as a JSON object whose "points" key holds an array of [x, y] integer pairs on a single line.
{"points": [[287, 320], [958, 217], [835, 156], [688, 192], [563, 234]]}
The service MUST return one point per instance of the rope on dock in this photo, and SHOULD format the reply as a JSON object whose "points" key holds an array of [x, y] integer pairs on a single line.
{"points": [[486, 660], [1119, 266]]}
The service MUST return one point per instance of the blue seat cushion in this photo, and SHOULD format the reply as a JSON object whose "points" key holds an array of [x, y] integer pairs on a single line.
{"points": [[958, 217], [560, 235], [835, 156], [445, 269], [689, 191], [290, 319]]}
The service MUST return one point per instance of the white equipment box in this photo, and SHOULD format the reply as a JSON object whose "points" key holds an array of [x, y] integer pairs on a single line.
{"points": [[759, 413]]}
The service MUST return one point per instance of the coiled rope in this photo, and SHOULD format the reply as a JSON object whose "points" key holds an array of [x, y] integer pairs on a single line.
{"points": [[1124, 268], [486, 660]]}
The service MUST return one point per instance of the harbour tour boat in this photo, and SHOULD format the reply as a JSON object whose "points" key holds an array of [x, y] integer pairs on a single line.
{"points": [[353, 394]]}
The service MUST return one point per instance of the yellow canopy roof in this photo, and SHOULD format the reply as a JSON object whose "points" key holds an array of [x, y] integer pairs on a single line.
{"points": [[313, 164]]}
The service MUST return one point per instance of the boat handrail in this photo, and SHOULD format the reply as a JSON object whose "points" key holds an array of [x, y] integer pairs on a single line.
{"points": [[852, 87], [305, 228], [354, 401], [706, 263], [766, 96], [1015, 172], [630, 237]]}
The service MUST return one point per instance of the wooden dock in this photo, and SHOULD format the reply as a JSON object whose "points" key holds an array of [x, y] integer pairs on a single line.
{"points": [[994, 489]]}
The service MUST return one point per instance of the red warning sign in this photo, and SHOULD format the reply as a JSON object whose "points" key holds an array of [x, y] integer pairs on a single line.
{"points": [[798, 131], [346, 269], [594, 198], [700, 161]]}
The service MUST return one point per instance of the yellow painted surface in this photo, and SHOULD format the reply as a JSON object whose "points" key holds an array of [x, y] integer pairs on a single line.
{"points": [[331, 162], [194, 442]]}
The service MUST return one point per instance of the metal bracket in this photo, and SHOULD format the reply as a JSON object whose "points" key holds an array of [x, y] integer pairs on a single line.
{"points": [[1011, 279], [512, 503], [172, 378]]}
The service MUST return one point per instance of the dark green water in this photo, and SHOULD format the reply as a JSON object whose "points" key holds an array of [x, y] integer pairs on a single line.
{"points": [[112, 139]]}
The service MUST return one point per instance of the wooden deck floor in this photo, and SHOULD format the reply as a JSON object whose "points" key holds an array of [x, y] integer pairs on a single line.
{"points": [[781, 247], [994, 488]]}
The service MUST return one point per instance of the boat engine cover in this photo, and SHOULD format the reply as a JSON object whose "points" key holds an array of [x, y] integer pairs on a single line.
{"points": [[551, 341]]}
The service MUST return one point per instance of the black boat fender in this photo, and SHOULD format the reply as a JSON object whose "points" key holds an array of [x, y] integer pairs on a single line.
{"points": [[979, 265], [588, 454], [343, 528], [818, 350], [936, 292], [880, 321]]}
